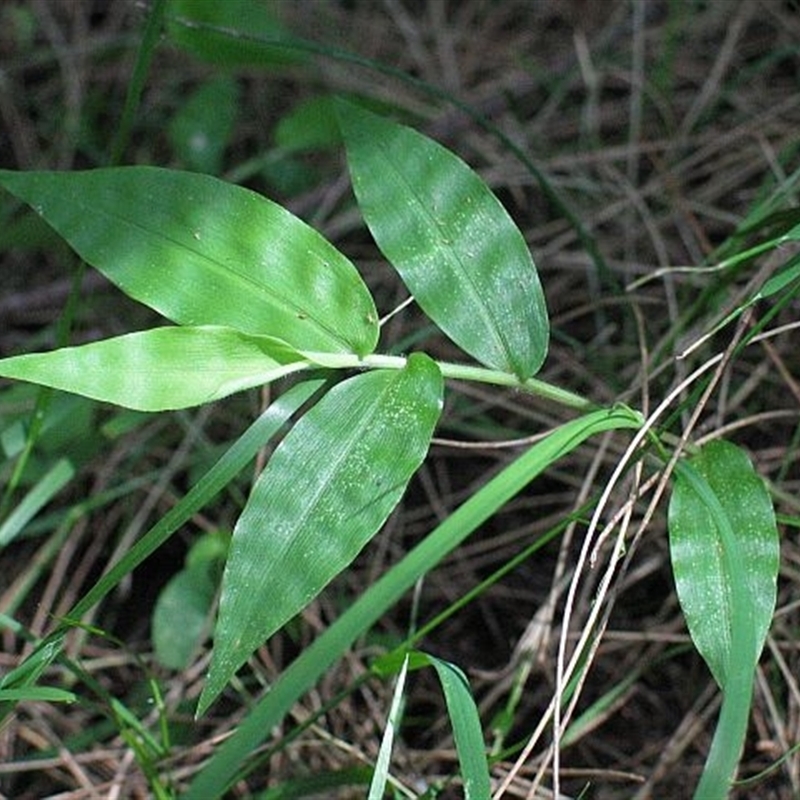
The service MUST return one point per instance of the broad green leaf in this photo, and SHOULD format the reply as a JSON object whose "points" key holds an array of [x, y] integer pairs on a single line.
{"points": [[326, 490], [159, 369], [726, 553], [301, 675], [454, 245], [204, 252], [231, 32], [721, 521]]}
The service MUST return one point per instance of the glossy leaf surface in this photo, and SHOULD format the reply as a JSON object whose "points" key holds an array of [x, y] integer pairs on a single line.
{"points": [[328, 487], [159, 369], [725, 503], [454, 245], [204, 252]]}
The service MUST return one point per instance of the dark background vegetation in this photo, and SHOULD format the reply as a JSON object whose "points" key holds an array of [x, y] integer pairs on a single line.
{"points": [[661, 124]]}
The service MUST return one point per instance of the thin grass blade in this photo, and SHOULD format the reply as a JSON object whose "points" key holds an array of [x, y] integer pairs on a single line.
{"points": [[37, 694], [52, 482], [380, 776]]}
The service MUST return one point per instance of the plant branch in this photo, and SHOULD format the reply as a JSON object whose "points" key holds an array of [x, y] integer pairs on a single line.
{"points": [[462, 372]]}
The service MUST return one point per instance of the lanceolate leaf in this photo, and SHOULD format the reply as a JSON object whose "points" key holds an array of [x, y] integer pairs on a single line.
{"points": [[204, 252], [327, 489], [725, 553], [160, 369], [453, 243]]}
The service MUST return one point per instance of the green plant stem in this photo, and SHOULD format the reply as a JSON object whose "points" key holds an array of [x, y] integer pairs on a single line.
{"points": [[540, 388], [726, 747], [463, 372]]}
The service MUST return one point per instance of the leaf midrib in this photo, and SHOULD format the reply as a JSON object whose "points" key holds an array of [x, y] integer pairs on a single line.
{"points": [[478, 302]]}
